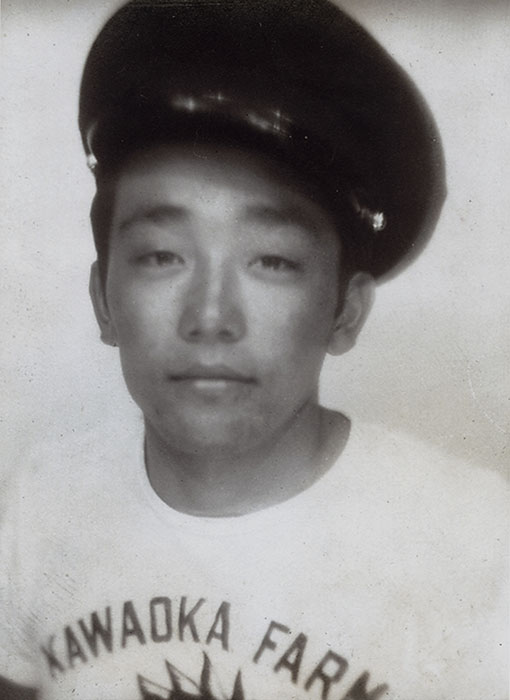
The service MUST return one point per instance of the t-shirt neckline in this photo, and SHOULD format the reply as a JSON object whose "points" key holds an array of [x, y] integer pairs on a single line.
{"points": [[232, 525]]}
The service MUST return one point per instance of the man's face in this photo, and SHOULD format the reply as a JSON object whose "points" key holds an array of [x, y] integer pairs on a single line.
{"points": [[221, 293]]}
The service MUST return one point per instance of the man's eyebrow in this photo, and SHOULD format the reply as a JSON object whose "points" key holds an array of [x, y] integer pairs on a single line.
{"points": [[294, 216], [156, 214]]}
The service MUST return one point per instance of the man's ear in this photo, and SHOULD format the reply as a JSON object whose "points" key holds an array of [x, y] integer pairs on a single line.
{"points": [[98, 297], [358, 301]]}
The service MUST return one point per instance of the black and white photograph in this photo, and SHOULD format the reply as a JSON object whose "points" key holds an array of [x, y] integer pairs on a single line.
{"points": [[255, 392]]}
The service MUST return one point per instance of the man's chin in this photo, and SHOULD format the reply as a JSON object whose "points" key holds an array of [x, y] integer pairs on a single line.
{"points": [[213, 438]]}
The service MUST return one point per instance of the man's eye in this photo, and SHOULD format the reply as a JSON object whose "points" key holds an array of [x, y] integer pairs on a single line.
{"points": [[277, 263], [160, 258]]}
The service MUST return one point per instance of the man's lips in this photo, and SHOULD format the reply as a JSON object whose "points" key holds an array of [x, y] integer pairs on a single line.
{"points": [[211, 383], [210, 374]]}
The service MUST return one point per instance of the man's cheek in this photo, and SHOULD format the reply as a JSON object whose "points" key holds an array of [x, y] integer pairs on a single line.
{"points": [[145, 331], [308, 328]]}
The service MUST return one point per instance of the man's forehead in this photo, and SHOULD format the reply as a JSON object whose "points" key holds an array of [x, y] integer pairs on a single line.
{"points": [[171, 183]]}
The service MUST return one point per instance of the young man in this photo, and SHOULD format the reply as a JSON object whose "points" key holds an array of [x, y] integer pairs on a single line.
{"points": [[258, 168]]}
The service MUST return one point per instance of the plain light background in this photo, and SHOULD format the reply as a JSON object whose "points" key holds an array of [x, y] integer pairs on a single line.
{"points": [[433, 358]]}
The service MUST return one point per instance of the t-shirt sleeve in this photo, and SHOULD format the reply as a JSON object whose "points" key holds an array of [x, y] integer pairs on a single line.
{"points": [[17, 657]]}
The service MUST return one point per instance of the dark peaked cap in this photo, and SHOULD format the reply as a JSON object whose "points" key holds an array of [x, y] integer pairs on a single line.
{"points": [[296, 78]]}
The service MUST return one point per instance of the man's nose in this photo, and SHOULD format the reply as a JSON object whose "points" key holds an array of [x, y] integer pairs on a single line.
{"points": [[212, 308]]}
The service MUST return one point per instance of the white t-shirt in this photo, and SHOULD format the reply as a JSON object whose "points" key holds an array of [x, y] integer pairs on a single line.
{"points": [[382, 580]]}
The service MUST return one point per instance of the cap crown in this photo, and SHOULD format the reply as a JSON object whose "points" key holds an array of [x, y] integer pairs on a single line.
{"points": [[296, 77]]}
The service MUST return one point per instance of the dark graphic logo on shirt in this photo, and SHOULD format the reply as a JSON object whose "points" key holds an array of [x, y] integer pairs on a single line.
{"points": [[182, 687]]}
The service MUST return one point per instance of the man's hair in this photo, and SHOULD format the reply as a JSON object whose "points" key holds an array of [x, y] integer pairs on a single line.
{"points": [[101, 212]]}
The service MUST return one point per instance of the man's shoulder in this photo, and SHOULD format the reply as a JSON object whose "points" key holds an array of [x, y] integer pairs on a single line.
{"points": [[403, 463], [67, 471], [435, 504]]}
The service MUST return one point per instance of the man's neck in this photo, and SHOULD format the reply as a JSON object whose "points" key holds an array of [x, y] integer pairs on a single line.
{"points": [[221, 483]]}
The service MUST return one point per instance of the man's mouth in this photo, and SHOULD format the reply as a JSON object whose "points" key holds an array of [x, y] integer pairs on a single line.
{"points": [[211, 377]]}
